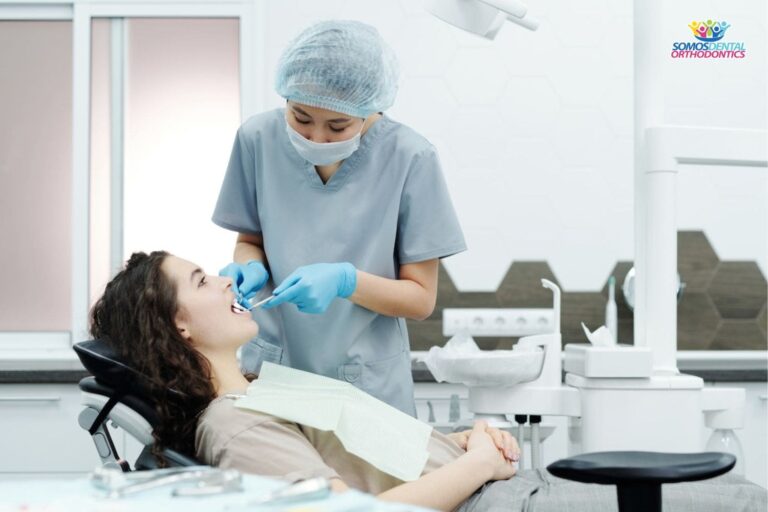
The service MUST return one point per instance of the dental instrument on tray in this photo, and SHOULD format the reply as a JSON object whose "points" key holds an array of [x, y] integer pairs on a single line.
{"points": [[253, 306], [224, 482], [309, 489], [207, 481]]}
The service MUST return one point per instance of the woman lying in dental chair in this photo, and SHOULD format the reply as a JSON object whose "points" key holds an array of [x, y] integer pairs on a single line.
{"points": [[176, 325]]}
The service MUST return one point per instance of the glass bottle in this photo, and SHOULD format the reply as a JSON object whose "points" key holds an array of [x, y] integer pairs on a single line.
{"points": [[725, 440]]}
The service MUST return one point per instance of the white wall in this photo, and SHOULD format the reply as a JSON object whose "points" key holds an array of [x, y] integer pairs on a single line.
{"points": [[535, 128]]}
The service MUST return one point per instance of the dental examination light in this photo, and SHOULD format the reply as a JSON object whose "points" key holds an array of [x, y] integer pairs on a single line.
{"points": [[482, 17]]}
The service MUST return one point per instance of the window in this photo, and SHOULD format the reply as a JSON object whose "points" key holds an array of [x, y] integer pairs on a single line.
{"points": [[35, 180], [130, 158]]}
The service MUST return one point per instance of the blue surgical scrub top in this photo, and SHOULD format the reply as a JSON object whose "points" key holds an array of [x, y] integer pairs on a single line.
{"points": [[386, 205]]}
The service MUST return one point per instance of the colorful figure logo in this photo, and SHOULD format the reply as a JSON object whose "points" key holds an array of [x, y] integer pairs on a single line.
{"points": [[708, 31]]}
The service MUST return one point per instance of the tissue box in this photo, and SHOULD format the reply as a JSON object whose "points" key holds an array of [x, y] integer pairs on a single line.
{"points": [[618, 361]]}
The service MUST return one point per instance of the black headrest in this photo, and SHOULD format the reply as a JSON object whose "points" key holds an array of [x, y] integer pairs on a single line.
{"points": [[102, 361], [114, 376]]}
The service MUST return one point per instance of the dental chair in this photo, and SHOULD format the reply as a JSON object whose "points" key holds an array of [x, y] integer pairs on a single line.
{"points": [[115, 393]]}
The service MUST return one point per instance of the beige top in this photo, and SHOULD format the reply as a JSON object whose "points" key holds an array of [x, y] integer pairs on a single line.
{"points": [[258, 443]]}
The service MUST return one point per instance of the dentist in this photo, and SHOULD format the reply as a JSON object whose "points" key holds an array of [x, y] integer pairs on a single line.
{"points": [[344, 209]]}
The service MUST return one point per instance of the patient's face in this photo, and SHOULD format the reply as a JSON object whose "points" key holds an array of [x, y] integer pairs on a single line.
{"points": [[205, 315]]}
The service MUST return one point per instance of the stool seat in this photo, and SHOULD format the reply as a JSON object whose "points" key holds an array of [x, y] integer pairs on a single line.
{"points": [[648, 467], [638, 475]]}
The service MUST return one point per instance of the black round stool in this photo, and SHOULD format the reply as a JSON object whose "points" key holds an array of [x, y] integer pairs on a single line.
{"points": [[638, 475]]}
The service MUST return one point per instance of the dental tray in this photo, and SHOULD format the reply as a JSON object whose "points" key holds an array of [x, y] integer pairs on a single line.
{"points": [[618, 361]]}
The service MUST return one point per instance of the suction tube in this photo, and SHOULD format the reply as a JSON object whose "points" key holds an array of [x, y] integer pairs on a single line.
{"points": [[546, 283]]}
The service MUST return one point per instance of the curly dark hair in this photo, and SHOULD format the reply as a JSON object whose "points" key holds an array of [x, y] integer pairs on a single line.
{"points": [[136, 317]]}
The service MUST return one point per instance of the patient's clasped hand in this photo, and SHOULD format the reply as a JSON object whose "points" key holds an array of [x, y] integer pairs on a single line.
{"points": [[385, 437]]}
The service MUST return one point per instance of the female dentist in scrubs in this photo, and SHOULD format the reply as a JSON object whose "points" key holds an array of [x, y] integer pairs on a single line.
{"points": [[344, 209]]}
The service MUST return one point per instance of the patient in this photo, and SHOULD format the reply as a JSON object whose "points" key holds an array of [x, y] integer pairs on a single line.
{"points": [[177, 326]]}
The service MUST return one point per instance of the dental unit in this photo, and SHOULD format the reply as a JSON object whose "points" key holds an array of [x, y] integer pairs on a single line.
{"points": [[600, 379], [668, 408]]}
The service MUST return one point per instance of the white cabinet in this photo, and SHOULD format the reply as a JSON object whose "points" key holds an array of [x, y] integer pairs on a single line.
{"points": [[39, 432]]}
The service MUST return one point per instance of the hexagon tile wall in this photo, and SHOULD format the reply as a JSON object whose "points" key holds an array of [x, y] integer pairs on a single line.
{"points": [[723, 306]]}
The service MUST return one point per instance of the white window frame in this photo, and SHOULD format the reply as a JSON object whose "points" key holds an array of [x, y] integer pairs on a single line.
{"points": [[250, 14]]}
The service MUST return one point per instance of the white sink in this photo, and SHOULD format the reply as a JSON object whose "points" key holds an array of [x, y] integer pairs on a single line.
{"points": [[486, 368]]}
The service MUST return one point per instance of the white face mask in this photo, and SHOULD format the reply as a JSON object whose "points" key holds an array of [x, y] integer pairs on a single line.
{"points": [[325, 153]]}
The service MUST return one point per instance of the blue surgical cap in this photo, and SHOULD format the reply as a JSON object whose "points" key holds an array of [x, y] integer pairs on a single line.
{"points": [[344, 66]]}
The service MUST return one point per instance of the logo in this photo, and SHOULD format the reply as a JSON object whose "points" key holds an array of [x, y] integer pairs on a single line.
{"points": [[708, 46], [709, 31]]}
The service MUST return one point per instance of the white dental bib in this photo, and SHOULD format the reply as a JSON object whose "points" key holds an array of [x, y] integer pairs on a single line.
{"points": [[383, 436]]}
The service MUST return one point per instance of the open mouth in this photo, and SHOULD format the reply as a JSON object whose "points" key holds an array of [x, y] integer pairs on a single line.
{"points": [[237, 308]]}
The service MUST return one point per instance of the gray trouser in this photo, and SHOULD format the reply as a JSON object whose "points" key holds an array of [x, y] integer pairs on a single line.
{"points": [[539, 491]]}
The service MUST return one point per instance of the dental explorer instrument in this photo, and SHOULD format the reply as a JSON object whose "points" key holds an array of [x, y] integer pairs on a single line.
{"points": [[253, 306]]}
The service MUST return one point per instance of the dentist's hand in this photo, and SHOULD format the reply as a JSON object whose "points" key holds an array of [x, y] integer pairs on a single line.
{"points": [[313, 287], [247, 279]]}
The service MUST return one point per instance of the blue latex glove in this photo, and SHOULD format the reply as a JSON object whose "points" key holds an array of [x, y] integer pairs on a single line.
{"points": [[247, 279], [313, 287]]}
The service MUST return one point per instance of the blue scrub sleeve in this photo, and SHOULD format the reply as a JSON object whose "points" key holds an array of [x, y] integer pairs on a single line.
{"points": [[237, 206], [428, 227]]}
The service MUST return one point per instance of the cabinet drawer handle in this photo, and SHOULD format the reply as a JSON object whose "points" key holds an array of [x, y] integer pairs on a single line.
{"points": [[30, 399]]}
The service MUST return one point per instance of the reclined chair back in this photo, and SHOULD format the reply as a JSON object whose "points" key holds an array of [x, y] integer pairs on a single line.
{"points": [[117, 392]]}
